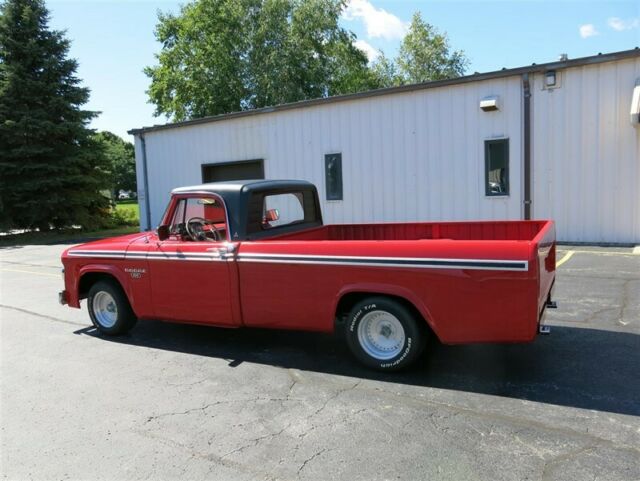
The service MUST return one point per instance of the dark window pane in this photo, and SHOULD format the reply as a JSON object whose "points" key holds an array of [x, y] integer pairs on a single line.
{"points": [[333, 176], [496, 158]]}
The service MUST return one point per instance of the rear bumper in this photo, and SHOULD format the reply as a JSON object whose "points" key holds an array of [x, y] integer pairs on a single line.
{"points": [[549, 304], [63, 298]]}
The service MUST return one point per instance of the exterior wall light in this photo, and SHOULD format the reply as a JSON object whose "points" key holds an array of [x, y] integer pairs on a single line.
{"points": [[489, 104], [550, 79]]}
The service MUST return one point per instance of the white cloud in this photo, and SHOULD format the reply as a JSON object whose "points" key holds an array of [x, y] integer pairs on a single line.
{"points": [[370, 51], [378, 22], [619, 24], [588, 30]]}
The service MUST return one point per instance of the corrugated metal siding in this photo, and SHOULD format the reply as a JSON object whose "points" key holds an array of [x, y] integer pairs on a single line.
{"points": [[406, 157], [419, 156], [586, 154]]}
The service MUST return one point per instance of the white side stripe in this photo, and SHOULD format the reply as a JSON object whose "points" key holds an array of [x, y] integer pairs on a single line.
{"points": [[353, 261]]}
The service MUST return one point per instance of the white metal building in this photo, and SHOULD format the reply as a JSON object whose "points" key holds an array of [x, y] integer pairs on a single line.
{"points": [[558, 140]]}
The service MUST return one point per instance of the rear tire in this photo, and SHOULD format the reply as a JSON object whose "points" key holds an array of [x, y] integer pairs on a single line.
{"points": [[109, 308], [384, 335]]}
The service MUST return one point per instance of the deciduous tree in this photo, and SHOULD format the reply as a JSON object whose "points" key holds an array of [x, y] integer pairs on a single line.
{"points": [[221, 56], [122, 163], [425, 54]]}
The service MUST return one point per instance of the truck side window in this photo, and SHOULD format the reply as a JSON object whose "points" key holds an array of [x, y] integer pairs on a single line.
{"points": [[208, 209], [496, 159]]}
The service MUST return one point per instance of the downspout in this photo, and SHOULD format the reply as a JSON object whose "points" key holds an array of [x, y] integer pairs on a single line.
{"points": [[526, 90], [145, 176]]}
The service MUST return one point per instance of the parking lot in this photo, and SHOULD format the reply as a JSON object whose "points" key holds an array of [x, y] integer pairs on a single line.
{"points": [[176, 401]]}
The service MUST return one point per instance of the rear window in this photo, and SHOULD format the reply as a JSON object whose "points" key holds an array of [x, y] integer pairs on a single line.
{"points": [[281, 212]]}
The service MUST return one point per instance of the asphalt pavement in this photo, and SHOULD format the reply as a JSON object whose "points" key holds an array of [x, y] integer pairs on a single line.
{"points": [[188, 402]]}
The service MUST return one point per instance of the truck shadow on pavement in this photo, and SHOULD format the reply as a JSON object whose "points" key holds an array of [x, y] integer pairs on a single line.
{"points": [[575, 367]]}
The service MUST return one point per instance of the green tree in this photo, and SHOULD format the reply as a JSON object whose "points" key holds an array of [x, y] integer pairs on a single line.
{"points": [[51, 168], [385, 72], [122, 163], [426, 55], [221, 56]]}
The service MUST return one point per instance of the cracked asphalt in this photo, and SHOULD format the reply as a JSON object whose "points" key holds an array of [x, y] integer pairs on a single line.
{"points": [[188, 402]]}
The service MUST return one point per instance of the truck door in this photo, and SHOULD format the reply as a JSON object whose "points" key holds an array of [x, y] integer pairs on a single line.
{"points": [[190, 278]]}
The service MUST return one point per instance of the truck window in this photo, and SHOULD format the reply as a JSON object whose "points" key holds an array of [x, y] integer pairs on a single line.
{"points": [[209, 209], [282, 209]]}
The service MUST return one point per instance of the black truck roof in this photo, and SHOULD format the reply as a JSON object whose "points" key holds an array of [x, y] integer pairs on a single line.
{"points": [[243, 197]]}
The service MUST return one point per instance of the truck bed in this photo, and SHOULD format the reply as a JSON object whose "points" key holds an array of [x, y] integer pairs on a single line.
{"points": [[471, 281], [483, 230]]}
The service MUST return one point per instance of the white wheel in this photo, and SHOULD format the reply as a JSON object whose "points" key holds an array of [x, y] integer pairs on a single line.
{"points": [[381, 335], [105, 309], [109, 308]]}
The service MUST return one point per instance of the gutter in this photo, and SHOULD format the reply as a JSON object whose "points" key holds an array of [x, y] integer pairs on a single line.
{"points": [[145, 177], [526, 93]]}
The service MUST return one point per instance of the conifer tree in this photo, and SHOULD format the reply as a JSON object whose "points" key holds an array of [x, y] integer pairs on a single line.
{"points": [[51, 167]]}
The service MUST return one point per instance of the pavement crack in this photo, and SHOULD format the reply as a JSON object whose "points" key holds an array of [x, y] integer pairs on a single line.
{"points": [[309, 459], [550, 464]]}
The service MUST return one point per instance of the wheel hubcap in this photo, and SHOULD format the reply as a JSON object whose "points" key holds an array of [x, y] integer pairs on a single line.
{"points": [[381, 335], [105, 309]]}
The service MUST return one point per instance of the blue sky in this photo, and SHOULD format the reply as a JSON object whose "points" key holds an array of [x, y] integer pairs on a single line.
{"points": [[113, 40]]}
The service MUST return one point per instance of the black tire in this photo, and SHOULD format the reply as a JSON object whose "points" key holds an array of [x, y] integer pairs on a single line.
{"points": [[122, 316], [405, 335]]}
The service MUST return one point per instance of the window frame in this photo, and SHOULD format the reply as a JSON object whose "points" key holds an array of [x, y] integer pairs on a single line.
{"points": [[487, 190], [339, 196]]}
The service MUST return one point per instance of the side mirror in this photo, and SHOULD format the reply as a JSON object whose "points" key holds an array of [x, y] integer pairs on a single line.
{"points": [[163, 232], [271, 215]]}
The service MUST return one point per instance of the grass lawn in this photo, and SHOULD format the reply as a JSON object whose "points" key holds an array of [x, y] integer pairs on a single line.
{"points": [[129, 208]]}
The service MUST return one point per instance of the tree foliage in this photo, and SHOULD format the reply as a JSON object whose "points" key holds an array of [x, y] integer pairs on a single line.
{"points": [[51, 168], [221, 56], [121, 160], [425, 55]]}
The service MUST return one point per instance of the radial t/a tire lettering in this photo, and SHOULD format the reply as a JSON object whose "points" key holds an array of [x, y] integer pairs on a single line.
{"points": [[383, 334]]}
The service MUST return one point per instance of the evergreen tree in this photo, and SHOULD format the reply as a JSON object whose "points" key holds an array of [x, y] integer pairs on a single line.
{"points": [[51, 167]]}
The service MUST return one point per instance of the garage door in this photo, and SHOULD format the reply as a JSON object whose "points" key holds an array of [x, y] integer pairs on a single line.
{"points": [[243, 170]]}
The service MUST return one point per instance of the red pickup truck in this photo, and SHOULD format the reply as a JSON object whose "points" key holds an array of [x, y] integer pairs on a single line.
{"points": [[256, 254]]}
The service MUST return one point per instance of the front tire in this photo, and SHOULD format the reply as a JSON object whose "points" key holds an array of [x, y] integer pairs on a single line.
{"points": [[109, 309], [383, 334]]}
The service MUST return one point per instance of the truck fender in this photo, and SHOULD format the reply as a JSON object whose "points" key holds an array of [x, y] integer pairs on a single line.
{"points": [[113, 271], [391, 290]]}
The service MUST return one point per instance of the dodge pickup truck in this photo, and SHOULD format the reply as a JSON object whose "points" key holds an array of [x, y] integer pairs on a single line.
{"points": [[256, 254]]}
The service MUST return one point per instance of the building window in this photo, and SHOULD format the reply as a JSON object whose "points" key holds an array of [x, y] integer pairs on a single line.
{"points": [[333, 176], [496, 167]]}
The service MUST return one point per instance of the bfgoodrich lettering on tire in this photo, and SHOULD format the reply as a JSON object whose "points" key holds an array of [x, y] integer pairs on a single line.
{"points": [[384, 334], [109, 308]]}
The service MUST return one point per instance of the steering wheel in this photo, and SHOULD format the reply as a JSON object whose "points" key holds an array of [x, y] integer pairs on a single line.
{"points": [[199, 233]]}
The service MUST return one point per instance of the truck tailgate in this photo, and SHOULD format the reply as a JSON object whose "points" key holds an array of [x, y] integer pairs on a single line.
{"points": [[545, 243]]}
